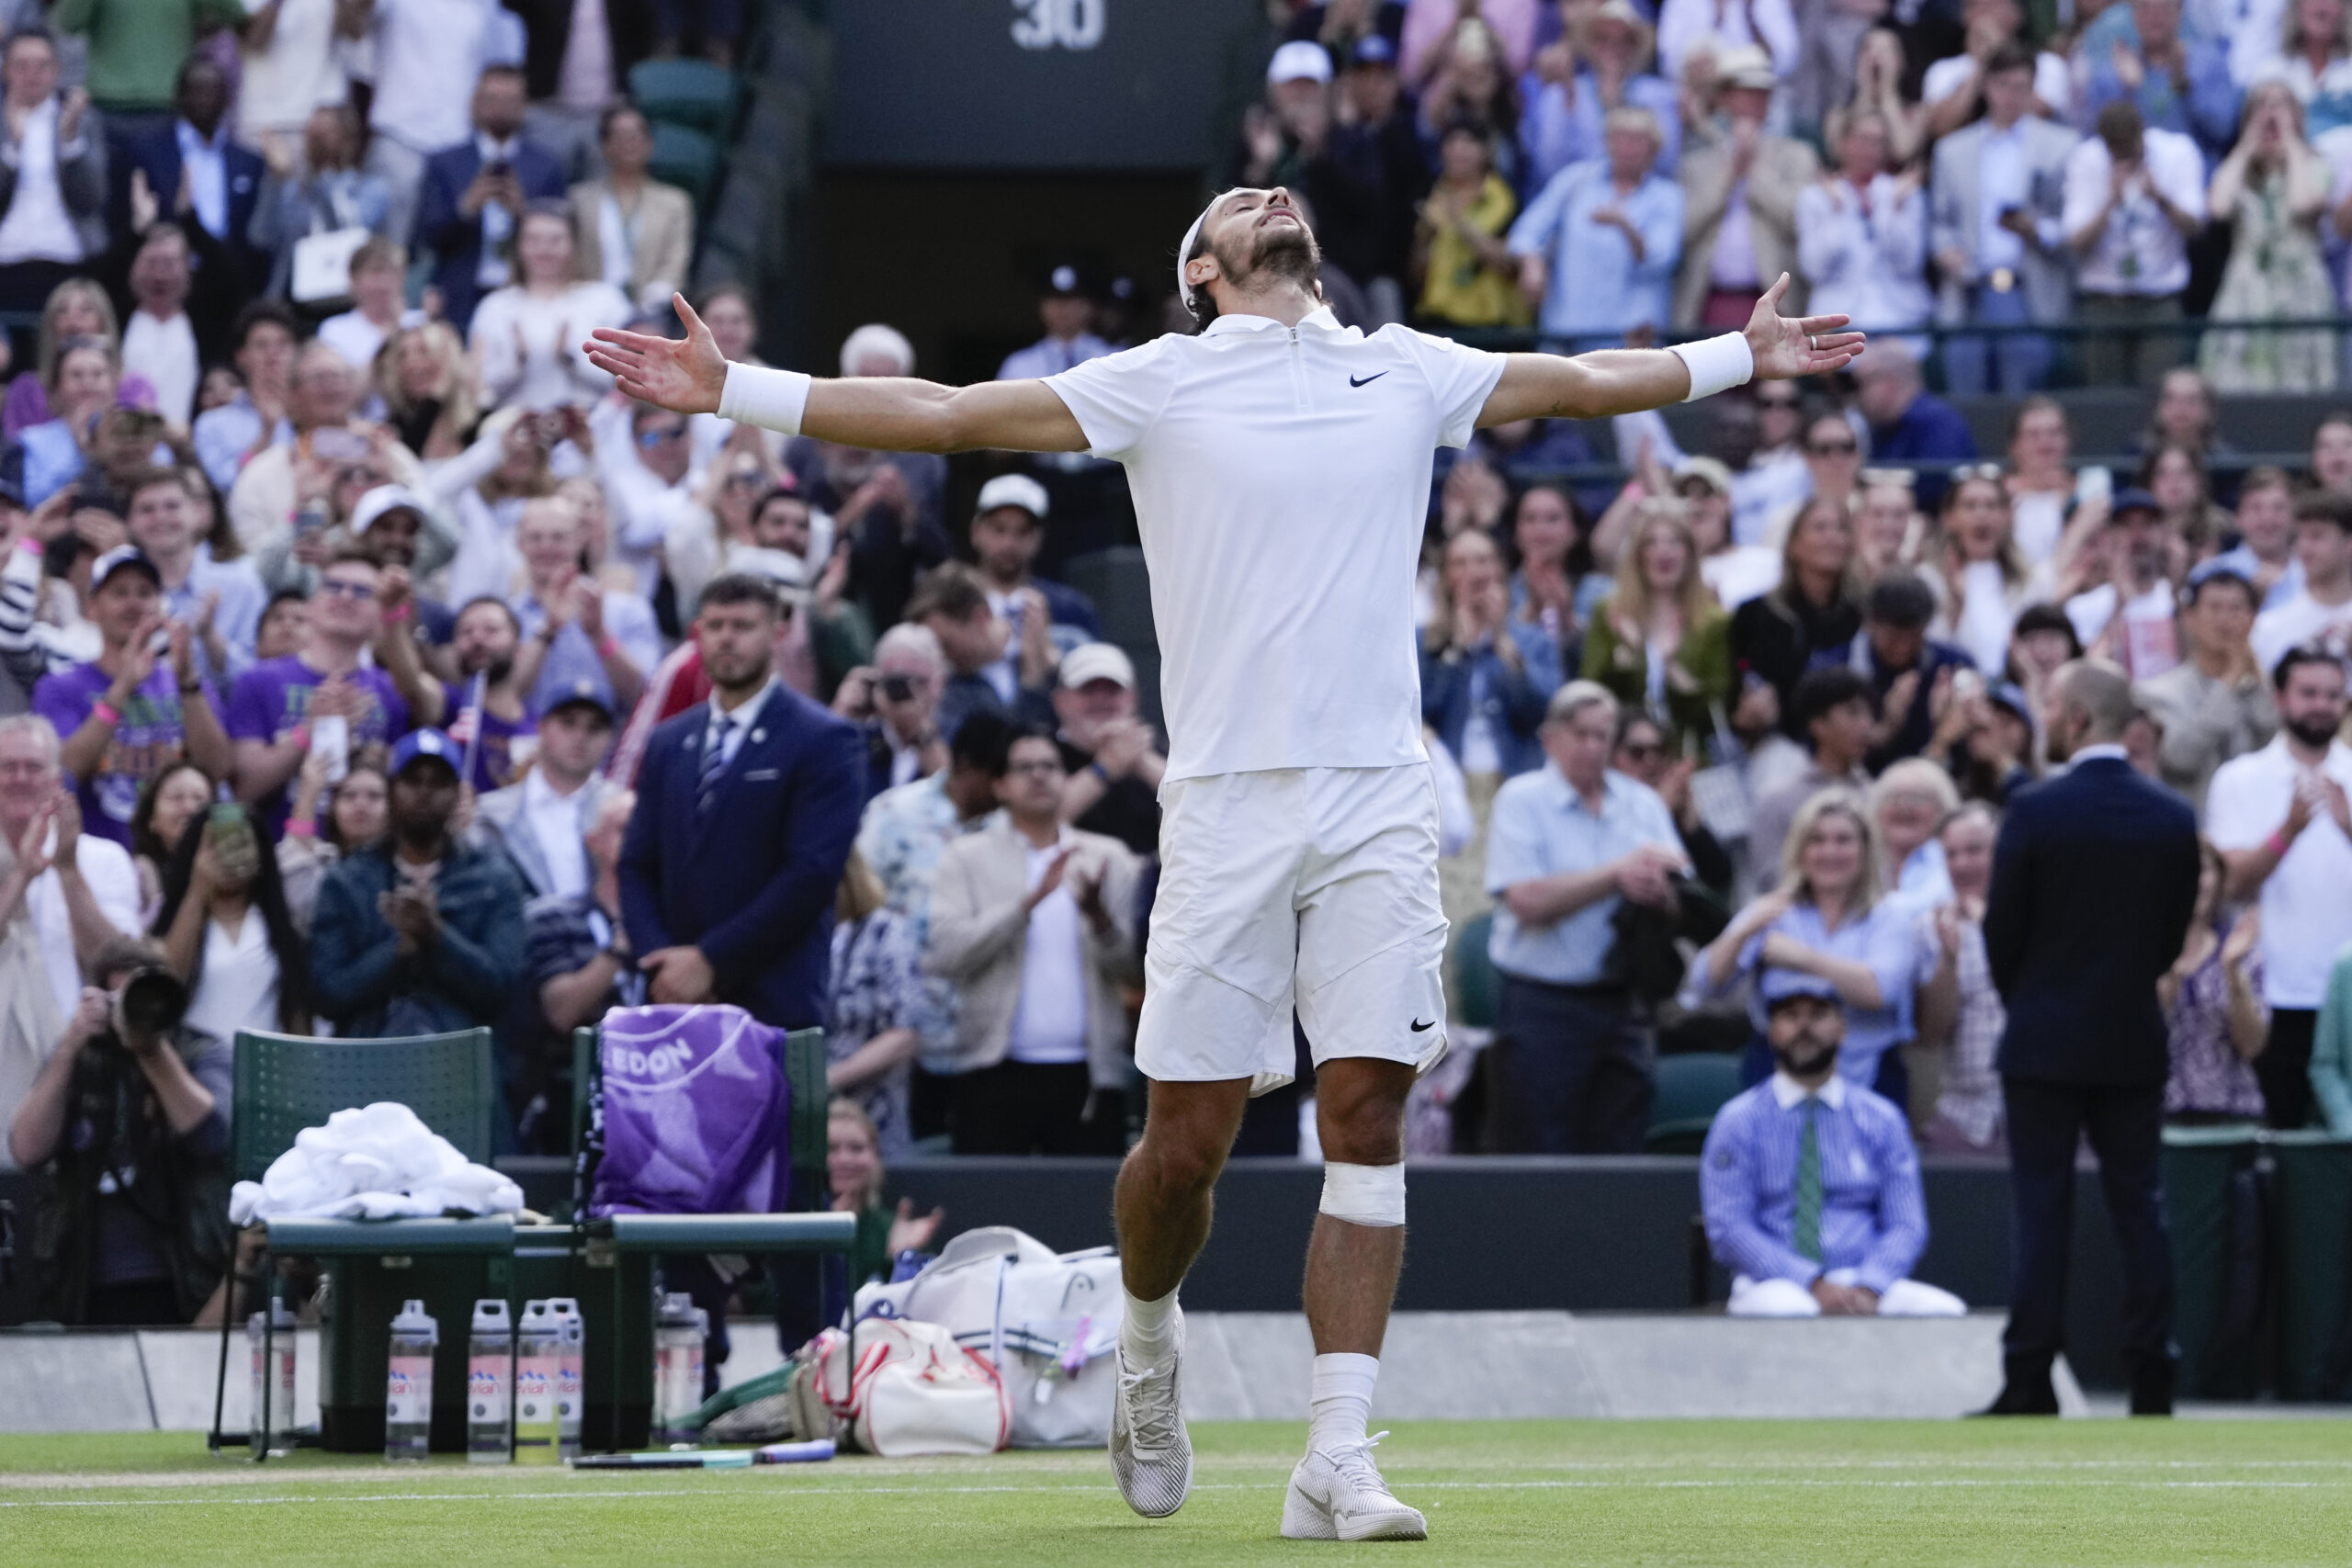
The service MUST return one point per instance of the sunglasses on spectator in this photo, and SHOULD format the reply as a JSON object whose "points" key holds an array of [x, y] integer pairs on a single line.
{"points": [[1054, 766], [343, 588], [1643, 750], [749, 478], [1967, 472]]}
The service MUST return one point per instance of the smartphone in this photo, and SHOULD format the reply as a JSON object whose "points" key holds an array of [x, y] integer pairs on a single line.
{"points": [[231, 832], [338, 446], [898, 688], [330, 743], [2094, 483]]}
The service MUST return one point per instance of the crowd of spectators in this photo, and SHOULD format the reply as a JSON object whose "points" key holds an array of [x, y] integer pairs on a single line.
{"points": [[382, 670], [1620, 171]]}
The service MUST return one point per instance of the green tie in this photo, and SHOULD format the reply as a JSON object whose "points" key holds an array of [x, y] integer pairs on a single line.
{"points": [[1808, 1210]]}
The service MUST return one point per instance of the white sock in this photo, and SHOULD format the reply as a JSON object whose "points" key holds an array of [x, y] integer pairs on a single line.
{"points": [[1341, 1400], [1148, 1330]]}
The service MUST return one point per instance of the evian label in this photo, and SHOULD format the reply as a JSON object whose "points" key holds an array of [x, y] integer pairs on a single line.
{"points": [[486, 1391], [408, 1390]]}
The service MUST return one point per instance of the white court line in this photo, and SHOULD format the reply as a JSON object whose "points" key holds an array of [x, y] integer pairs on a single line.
{"points": [[836, 1490], [1070, 1462]]}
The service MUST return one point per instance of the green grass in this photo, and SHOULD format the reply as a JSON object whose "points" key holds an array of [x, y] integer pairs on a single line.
{"points": [[1747, 1494]]}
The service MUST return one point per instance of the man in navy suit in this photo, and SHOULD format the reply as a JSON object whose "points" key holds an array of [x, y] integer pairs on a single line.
{"points": [[223, 180], [475, 192], [2093, 885], [746, 810]]}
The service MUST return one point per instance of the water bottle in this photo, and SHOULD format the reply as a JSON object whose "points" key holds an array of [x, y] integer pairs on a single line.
{"points": [[490, 1384], [678, 1337], [538, 1340], [571, 1362], [408, 1384], [277, 1383]]}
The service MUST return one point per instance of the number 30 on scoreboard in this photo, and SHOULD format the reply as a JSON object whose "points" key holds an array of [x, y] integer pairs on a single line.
{"points": [[1058, 24]]}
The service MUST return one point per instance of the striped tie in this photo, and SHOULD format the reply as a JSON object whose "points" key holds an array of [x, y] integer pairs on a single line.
{"points": [[1807, 1227], [714, 764]]}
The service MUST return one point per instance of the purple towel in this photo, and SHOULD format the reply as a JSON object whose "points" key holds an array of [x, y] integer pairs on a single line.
{"points": [[695, 1113]]}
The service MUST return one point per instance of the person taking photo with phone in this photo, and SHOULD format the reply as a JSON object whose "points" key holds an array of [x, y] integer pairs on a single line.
{"points": [[227, 932]]}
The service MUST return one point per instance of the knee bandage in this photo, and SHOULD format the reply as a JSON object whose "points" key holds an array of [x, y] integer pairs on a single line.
{"points": [[1364, 1194]]}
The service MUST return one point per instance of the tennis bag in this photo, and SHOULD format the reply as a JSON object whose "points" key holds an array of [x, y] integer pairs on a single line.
{"points": [[895, 1388], [1048, 1322]]}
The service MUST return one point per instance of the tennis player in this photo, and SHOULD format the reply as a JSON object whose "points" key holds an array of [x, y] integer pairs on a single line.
{"points": [[1280, 466]]}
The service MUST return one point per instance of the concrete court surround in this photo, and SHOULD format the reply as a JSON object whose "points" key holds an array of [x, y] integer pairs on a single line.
{"points": [[1240, 1366]]}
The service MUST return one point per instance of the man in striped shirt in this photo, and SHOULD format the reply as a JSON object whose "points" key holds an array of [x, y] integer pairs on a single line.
{"points": [[1809, 1182]]}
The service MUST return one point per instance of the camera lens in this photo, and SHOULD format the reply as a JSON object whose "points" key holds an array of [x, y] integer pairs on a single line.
{"points": [[898, 688], [153, 1001]]}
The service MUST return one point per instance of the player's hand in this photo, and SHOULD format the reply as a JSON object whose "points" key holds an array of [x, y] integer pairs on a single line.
{"points": [[1789, 346], [683, 377]]}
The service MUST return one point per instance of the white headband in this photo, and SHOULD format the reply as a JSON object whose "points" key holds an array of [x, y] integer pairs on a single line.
{"points": [[1184, 289]]}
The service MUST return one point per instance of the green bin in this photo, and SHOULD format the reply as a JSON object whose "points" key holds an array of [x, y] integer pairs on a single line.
{"points": [[2314, 1186], [364, 1292], [2213, 1206]]}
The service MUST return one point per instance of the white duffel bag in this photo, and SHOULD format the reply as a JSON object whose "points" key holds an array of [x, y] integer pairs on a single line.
{"points": [[1049, 1322], [895, 1388]]}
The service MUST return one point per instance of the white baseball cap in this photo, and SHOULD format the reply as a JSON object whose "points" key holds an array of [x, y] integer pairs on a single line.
{"points": [[788, 573], [1300, 60], [1014, 489], [383, 499], [1097, 661]]}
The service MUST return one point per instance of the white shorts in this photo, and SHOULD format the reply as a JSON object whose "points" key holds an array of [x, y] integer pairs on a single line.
{"points": [[1305, 888]]}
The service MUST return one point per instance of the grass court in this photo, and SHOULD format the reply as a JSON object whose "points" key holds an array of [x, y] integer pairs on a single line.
{"points": [[1745, 1495]]}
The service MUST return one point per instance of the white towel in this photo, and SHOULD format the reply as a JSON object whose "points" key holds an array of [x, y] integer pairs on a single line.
{"points": [[380, 1163]]}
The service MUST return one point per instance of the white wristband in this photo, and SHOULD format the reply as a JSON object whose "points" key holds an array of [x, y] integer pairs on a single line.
{"points": [[1716, 365], [773, 400]]}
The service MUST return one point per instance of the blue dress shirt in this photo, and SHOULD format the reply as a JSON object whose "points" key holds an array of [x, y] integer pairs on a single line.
{"points": [[1597, 288], [1873, 1214], [1541, 827], [1885, 940]]}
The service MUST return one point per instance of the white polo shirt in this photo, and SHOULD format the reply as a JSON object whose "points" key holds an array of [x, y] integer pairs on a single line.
{"points": [[1281, 479], [2307, 902]]}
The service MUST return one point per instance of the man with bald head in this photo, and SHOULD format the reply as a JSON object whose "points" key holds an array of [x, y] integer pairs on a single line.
{"points": [[2093, 885]]}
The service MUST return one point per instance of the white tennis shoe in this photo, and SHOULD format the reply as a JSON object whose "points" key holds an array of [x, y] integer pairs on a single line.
{"points": [[1338, 1494], [1150, 1451]]}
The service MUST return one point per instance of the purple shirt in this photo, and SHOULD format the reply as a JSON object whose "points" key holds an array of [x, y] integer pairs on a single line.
{"points": [[494, 758], [270, 700], [150, 737]]}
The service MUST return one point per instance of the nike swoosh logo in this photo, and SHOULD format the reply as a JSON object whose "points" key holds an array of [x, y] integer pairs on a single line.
{"points": [[1418, 1025], [1367, 380]]}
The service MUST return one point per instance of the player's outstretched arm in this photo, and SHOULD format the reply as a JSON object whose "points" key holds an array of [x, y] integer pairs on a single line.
{"points": [[1626, 380], [884, 413]]}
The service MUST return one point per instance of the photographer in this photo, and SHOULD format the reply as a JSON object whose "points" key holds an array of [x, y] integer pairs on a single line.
{"points": [[896, 701], [130, 1119]]}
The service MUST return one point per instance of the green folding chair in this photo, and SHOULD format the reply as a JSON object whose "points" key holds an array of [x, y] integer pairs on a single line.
{"points": [[692, 93], [618, 1236], [283, 1083], [1477, 986], [1691, 1087], [685, 158]]}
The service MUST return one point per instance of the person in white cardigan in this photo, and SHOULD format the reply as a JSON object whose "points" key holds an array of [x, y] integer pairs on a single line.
{"points": [[527, 335], [1862, 236], [1034, 922]]}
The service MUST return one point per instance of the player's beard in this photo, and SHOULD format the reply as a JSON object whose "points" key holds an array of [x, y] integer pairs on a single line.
{"points": [[1285, 253]]}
